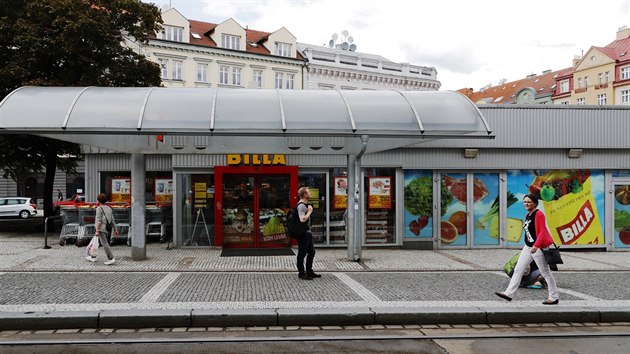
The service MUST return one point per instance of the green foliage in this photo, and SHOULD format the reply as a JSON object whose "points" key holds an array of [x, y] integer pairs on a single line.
{"points": [[419, 197], [68, 43]]}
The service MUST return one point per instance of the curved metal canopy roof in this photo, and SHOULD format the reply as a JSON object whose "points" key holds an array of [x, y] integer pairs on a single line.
{"points": [[86, 114]]}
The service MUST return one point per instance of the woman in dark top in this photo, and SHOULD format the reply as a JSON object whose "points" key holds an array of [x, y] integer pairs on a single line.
{"points": [[537, 238]]}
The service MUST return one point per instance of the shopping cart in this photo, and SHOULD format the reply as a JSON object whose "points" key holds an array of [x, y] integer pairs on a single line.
{"points": [[87, 227], [70, 228], [123, 225], [154, 228]]}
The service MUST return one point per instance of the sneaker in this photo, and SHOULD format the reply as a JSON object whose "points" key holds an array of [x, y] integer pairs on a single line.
{"points": [[90, 259], [305, 277], [314, 275], [111, 261]]}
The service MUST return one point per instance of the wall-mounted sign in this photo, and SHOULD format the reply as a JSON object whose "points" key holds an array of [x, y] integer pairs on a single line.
{"points": [[379, 193], [164, 190], [341, 192], [121, 190], [256, 159]]}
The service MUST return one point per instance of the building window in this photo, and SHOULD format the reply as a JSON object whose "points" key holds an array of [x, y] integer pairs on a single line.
{"points": [[257, 78], [600, 78], [283, 49], [564, 86], [601, 99], [224, 74], [580, 83], [625, 97], [585, 81], [202, 72], [178, 67], [279, 77], [581, 101], [607, 76], [236, 76], [172, 33], [625, 73], [163, 63], [289, 82], [231, 42], [565, 102]]}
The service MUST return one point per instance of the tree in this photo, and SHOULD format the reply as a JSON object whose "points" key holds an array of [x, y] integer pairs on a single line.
{"points": [[68, 43]]}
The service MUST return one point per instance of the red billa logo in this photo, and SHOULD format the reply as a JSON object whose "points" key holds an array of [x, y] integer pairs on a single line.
{"points": [[571, 231]]}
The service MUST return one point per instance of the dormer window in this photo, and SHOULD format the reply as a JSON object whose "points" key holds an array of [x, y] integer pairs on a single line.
{"points": [[229, 41], [283, 49], [172, 33]]}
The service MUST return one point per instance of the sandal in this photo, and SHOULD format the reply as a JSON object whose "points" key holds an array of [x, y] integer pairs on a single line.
{"points": [[503, 296]]}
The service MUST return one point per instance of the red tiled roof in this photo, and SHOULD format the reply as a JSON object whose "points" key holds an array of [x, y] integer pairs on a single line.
{"points": [[543, 84], [619, 47]]}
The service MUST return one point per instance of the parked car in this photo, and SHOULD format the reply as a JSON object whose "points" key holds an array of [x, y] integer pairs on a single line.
{"points": [[23, 207], [76, 200]]}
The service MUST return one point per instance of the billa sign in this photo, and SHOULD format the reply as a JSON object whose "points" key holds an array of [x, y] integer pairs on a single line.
{"points": [[256, 160]]}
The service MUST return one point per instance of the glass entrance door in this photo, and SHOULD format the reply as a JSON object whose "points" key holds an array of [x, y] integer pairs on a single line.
{"points": [[252, 203], [621, 211]]}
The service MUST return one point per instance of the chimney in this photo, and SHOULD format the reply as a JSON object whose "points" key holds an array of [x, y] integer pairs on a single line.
{"points": [[576, 60], [623, 32]]}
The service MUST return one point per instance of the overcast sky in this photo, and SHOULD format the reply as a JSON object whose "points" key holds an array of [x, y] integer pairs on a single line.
{"points": [[470, 43]]}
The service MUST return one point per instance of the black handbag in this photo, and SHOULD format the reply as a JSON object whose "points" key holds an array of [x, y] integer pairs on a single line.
{"points": [[552, 255]]}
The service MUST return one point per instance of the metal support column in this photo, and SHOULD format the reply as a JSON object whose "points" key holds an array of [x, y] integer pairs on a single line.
{"points": [[355, 206], [138, 206]]}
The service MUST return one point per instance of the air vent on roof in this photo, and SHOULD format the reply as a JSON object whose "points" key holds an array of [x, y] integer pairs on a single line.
{"points": [[622, 54], [536, 80], [555, 76], [498, 99], [253, 44], [195, 35]]}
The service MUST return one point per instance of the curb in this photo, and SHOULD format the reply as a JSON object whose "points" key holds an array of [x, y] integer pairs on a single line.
{"points": [[306, 317]]}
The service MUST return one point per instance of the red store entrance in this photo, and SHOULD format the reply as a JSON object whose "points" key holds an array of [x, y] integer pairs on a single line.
{"points": [[251, 205]]}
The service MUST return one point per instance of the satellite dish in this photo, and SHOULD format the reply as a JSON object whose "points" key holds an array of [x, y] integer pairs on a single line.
{"points": [[335, 36], [350, 39], [344, 33], [345, 45], [353, 47], [331, 44]]}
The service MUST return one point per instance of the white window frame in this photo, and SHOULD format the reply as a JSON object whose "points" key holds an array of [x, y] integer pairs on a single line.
{"points": [[230, 41], [236, 76], [625, 97], [564, 86], [625, 73], [163, 63], [257, 77], [600, 78], [607, 76], [581, 101], [202, 72], [173, 33], [283, 49], [585, 81], [178, 70], [579, 82], [289, 81], [278, 79], [224, 74], [601, 99]]}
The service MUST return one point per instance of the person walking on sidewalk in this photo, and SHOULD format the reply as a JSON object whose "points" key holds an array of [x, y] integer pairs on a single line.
{"points": [[537, 237], [306, 248], [104, 216]]}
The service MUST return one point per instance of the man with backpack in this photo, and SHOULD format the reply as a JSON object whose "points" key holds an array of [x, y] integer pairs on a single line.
{"points": [[306, 248]]}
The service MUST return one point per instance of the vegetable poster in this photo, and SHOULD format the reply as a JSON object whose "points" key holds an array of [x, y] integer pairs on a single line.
{"points": [[379, 193], [622, 216], [418, 203]]}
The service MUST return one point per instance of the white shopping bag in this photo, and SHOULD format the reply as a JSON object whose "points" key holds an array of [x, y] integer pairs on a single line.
{"points": [[92, 247]]}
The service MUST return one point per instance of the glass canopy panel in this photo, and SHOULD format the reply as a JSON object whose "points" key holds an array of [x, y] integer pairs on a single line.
{"points": [[182, 109], [446, 111], [34, 108], [317, 110], [108, 108], [248, 111], [381, 111]]}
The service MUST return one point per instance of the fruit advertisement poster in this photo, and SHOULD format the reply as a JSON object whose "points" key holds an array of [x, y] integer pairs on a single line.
{"points": [[379, 193], [572, 200], [418, 204], [163, 190], [622, 216], [341, 192], [121, 190], [454, 221]]}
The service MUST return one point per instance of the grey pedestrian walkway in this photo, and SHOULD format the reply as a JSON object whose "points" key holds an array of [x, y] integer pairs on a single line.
{"points": [[58, 288]]}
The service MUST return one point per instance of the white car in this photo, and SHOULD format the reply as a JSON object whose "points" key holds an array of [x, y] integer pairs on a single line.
{"points": [[18, 206]]}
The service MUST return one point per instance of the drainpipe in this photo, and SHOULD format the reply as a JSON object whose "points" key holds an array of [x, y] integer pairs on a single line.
{"points": [[355, 210]]}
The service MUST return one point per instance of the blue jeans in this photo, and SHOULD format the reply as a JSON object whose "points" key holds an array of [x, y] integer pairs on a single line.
{"points": [[306, 248]]}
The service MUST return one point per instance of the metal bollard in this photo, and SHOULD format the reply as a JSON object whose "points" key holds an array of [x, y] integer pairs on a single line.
{"points": [[53, 218]]}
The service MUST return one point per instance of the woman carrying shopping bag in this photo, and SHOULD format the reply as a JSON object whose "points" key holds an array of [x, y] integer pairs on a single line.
{"points": [[537, 238], [104, 221]]}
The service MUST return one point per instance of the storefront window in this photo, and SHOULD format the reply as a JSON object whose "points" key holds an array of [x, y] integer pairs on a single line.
{"points": [[317, 185], [380, 205], [197, 209], [621, 173], [418, 196], [338, 203], [572, 200], [622, 215]]}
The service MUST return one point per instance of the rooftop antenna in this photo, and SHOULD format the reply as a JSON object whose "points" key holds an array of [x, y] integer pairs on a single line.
{"points": [[346, 41]]}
